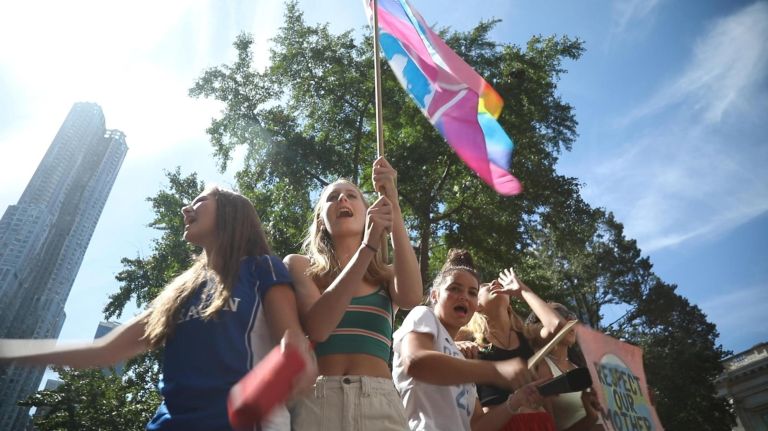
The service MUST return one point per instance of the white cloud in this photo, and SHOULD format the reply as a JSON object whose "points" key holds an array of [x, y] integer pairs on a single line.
{"points": [[628, 11], [726, 66], [736, 312], [696, 166], [678, 183], [630, 20]]}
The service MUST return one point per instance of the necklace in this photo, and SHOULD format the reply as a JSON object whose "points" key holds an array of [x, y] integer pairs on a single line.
{"points": [[496, 340], [563, 364], [557, 358]]}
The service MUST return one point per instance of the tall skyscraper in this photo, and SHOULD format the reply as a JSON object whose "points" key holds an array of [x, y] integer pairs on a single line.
{"points": [[43, 239], [103, 329]]}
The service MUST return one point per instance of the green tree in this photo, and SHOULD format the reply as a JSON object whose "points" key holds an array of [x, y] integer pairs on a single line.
{"points": [[143, 278], [584, 253], [595, 264], [96, 400], [308, 117], [682, 359]]}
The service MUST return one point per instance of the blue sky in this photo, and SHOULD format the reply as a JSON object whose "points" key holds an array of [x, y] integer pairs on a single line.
{"points": [[671, 98]]}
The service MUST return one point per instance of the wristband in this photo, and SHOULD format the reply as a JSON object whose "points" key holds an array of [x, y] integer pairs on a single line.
{"points": [[370, 247]]}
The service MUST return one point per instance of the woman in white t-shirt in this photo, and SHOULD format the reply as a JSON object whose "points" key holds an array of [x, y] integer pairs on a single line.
{"points": [[435, 382]]}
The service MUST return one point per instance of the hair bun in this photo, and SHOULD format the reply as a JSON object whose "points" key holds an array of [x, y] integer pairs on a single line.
{"points": [[458, 257], [457, 260]]}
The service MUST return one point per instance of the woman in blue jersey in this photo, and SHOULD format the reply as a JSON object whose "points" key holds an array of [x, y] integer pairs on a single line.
{"points": [[347, 296], [435, 381], [214, 322]]}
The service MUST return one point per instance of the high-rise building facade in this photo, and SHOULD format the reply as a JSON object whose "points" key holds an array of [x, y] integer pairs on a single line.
{"points": [[744, 383], [43, 239], [103, 329]]}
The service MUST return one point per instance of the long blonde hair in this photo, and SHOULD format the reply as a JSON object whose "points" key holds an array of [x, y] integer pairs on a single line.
{"points": [[238, 234], [318, 246], [478, 325]]}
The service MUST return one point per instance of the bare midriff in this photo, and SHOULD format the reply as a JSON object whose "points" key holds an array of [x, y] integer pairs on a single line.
{"points": [[353, 364]]}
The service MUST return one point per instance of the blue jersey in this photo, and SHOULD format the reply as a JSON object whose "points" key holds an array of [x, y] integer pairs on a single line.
{"points": [[203, 359]]}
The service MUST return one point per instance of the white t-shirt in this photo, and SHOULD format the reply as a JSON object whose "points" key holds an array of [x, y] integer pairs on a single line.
{"points": [[431, 407], [567, 408]]}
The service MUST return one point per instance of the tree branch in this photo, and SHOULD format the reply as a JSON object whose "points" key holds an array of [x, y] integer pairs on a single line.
{"points": [[316, 177], [624, 316], [359, 135], [442, 179], [449, 213]]}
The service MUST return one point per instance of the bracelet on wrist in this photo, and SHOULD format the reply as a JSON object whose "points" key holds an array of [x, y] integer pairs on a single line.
{"points": [[370, 247]]}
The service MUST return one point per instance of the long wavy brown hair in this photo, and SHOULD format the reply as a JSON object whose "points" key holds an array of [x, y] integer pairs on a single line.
{"points": [[318, 246], [238, 234]]}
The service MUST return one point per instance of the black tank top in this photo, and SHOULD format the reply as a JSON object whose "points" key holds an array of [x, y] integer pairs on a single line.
{"points": [[493, 395]]}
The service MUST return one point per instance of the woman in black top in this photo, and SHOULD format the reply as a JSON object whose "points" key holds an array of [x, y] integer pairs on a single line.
{"points": [[497, 333]]}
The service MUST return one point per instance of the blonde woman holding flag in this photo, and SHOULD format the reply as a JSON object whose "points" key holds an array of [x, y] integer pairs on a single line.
{"points": [[347, 297]]}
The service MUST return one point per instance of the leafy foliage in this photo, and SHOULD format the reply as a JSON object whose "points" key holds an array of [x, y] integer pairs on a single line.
{"points": [[95, 400], [143, 278], [682, 359], [308, 119]]}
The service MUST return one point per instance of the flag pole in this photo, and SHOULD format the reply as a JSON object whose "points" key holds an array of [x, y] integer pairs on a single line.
{"points": [[377, 82], [384, 248]]}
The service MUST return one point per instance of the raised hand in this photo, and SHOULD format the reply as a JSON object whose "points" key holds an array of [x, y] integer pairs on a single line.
{"points": [[378, 221], [510, 283], [384, 178]]}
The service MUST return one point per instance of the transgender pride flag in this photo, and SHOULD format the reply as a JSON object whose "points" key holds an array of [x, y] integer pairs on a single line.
{"points": [[455, 99]]}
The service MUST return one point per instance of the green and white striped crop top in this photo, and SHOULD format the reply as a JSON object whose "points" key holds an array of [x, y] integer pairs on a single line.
{"points": [[366, 327]]}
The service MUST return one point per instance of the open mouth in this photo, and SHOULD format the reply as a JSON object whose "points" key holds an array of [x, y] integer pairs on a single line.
{"points": [[494, 287], [462, 310], [344, 212]]}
